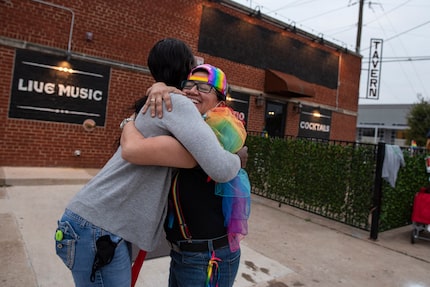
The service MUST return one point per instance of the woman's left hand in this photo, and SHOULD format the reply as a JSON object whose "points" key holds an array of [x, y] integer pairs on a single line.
{"points": [[157, 94]]}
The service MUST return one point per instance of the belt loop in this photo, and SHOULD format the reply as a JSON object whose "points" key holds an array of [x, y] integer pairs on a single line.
{"points": [[211, 245], [175, 247]]}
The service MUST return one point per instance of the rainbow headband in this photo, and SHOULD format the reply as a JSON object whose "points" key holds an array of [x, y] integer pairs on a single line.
{"points": [[216, 78]]}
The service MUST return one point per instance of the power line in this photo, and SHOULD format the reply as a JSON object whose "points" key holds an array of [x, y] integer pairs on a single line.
{"points": [[401, 59], [322, 14], [404, 32], [299, 3], [407, 31]]}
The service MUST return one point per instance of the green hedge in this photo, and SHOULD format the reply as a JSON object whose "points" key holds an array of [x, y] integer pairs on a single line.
{"points": [[397, 202], [333, 179]]}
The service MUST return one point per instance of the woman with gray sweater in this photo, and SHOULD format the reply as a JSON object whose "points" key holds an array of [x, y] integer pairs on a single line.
{"points": [[126, 203]]}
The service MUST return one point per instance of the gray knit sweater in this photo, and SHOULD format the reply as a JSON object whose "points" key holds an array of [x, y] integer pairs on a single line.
{"points": [[130, 200]]}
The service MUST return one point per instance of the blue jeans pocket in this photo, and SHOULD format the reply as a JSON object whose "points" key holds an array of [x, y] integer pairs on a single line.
{"points": [[65, 243]]}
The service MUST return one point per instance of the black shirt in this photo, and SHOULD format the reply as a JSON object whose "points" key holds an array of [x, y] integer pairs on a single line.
{"points": [[201, 208]]}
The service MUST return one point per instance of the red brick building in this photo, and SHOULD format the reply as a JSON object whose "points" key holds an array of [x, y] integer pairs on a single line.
{"points": [[66, 62]]}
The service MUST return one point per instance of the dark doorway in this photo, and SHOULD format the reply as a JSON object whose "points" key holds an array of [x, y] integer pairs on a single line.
{"points": [[275, 119]]}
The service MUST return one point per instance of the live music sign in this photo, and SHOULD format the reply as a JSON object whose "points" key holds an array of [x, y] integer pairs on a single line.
{"points": [[374, 76], [51, 88]]}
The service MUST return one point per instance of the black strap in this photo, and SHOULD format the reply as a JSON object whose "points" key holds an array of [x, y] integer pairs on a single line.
{"points": [[176, 202]]}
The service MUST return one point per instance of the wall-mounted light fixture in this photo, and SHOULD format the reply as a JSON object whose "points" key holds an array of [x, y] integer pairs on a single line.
{"points": [[256, 12], [317, 113], [342, 48], [89, 36], [298, 107], [259, 100], [291, 27], [69, 45]]}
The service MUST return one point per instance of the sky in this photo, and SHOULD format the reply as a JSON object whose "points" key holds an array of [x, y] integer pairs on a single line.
{"points": [[403, 25]]}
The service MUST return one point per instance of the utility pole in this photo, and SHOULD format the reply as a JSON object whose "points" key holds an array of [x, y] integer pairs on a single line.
{"points": [[360, 24]]}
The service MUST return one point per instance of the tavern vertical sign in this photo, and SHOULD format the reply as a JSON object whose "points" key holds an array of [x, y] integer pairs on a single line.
{"points": [[374, 77], [49, 88]]}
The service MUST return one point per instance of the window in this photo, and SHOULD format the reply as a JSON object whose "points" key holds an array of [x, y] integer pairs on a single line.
{"points": [[366, 132]]}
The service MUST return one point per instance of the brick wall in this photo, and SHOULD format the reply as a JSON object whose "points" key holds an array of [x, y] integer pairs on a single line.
{"points": [[124, 32], [345, 127], [41, 143]]}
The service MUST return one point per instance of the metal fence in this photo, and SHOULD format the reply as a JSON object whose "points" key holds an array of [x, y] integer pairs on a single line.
{"points": [[335, 179], [332, 179]]}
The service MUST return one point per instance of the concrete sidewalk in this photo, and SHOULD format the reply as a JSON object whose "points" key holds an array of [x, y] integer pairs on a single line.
{"points": [[285, 246]]}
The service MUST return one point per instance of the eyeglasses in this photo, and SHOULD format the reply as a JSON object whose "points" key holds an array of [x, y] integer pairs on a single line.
{"points": [[201, 87]]}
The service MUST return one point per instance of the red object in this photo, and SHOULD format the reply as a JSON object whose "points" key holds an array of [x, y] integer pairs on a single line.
{"points": [[428, 164], [135, 269], [421, 208]]}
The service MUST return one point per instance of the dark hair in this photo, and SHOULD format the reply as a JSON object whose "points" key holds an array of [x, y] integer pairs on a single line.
{"points": [[170, 61], [219, 96]]}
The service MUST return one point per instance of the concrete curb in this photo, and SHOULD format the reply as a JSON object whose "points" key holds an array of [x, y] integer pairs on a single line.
{"points": [[41, 181], [25, 176]]}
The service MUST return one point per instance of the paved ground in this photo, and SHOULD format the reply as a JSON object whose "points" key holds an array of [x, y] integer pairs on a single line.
{"points": [[285, 246]]}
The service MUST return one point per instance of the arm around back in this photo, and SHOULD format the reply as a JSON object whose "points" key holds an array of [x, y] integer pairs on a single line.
{"points": [[160, 150], [187, 126]]}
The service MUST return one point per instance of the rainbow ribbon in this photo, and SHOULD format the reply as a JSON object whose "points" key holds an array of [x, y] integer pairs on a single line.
{"points": [[213, 274]]}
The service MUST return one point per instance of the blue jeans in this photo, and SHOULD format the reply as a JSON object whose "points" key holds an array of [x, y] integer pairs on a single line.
{"points": [[190, 268], [77, 249]]}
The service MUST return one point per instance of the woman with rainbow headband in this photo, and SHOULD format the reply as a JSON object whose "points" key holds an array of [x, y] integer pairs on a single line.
{"points": [[206, 219], [126, 203], [232, 135]]}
